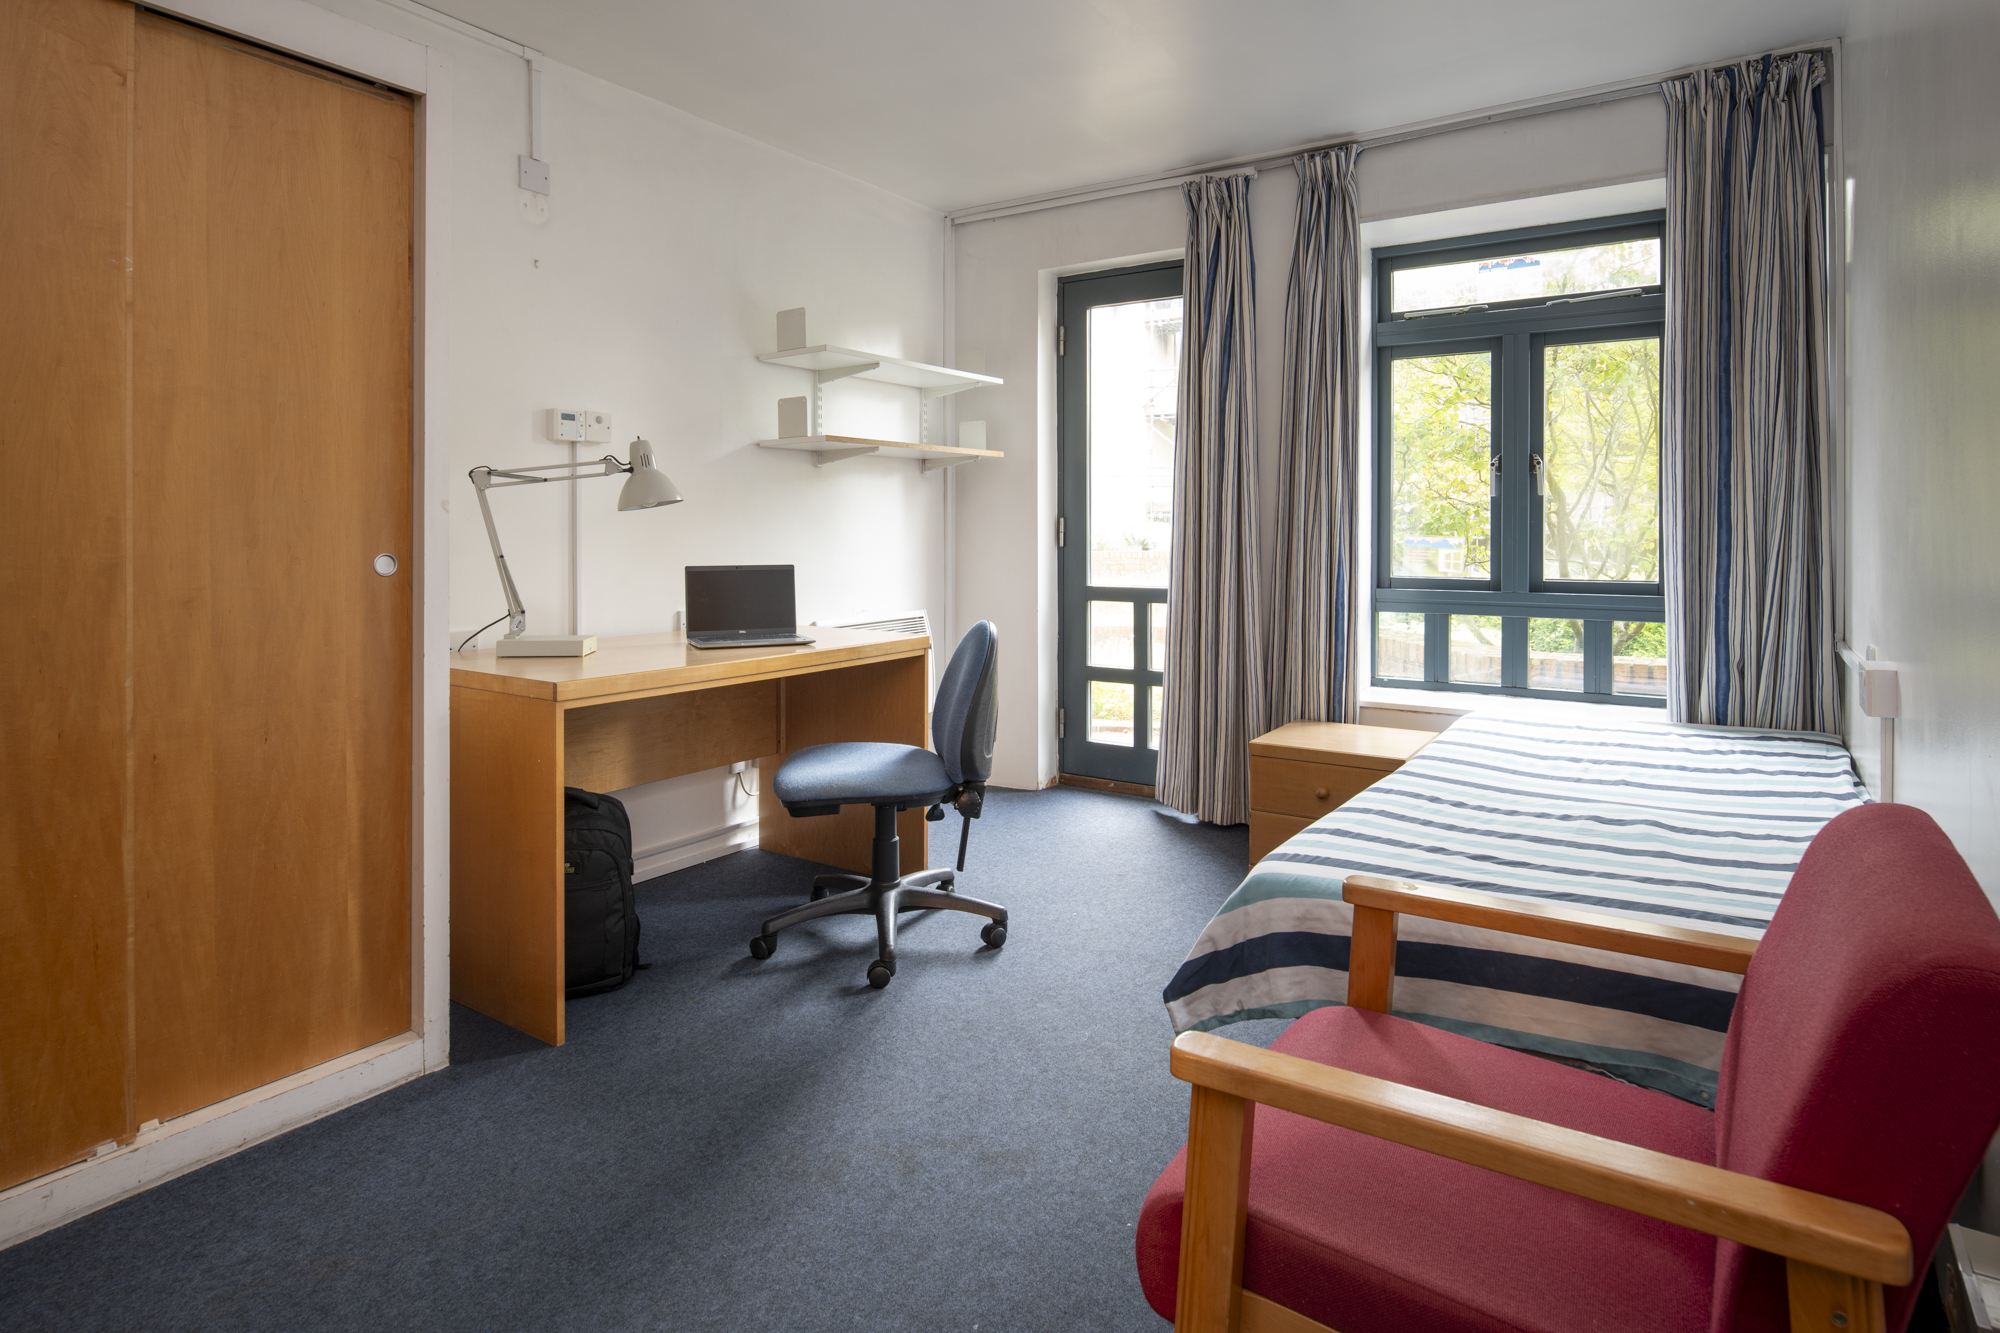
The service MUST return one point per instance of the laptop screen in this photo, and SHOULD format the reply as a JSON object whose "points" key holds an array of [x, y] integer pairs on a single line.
{"points": [[733, 598]]}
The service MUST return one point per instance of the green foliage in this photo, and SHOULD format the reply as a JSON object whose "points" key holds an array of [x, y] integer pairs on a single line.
{"points": [[1638, 638], [1629, 638], [1555, 636], [1601, 442], [1440, 440], [1110, 701]]}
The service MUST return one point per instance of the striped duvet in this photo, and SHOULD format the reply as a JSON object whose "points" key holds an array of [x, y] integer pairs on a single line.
{"points": [[1698, 826]]}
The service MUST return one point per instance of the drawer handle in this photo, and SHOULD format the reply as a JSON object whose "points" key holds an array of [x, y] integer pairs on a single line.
{"points": [[1319, 793]]}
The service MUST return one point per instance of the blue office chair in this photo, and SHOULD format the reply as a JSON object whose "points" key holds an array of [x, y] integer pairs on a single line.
{"points": [[820, 779]]}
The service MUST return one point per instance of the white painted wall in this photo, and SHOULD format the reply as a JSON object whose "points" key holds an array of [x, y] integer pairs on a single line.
{"points": [[670, 246], [1924, 403], [1006, 271]]}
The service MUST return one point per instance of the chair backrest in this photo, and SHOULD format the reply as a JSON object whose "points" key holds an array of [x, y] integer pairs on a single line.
{"points": [[1861, 1059], [967, 710]]}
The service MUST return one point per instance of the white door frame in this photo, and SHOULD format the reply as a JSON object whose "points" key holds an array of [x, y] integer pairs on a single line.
{"points": [[167, 1149]]}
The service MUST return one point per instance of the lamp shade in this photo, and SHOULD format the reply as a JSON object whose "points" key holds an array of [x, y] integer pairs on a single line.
{"points": [[647, 487]]}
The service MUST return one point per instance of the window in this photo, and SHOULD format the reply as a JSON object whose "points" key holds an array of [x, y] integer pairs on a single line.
{"points": [[1517, 435]]}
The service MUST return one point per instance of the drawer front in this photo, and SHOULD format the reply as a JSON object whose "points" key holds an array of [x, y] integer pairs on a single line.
{"points": [[1268, 830], [1307, 791]]}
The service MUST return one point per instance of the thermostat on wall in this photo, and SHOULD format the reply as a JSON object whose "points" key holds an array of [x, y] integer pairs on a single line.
{"points": [[565, 423], [579, 423]]}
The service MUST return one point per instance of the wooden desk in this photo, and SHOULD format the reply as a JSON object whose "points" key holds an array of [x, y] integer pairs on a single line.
{"points": [[641, 709]]}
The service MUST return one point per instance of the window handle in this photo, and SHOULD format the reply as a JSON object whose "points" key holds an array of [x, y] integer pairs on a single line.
{"points": [[1442, 310], [1541, 471], [1600, 296], [1493, 474]]}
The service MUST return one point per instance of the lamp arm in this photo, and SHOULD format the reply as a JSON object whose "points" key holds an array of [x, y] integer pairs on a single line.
{"points": [[517, 615], [607, 466], [486, 478]]}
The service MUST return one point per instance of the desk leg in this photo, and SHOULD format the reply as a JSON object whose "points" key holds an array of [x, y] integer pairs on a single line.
{"points": [[506, 859], [879, 701]]}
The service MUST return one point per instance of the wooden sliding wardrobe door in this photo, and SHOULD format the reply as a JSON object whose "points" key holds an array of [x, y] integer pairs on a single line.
{"points": [[65, 993], [271, 446]]}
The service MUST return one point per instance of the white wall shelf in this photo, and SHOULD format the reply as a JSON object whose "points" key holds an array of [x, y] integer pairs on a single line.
{"points": [[802, 421], [830, 363], [827, 449]]}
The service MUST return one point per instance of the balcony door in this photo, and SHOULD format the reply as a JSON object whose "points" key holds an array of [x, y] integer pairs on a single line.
{"points": [[1119, 350]]}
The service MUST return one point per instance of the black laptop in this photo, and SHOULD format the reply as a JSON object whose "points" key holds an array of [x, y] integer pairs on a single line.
{"points": [[741, 606]]}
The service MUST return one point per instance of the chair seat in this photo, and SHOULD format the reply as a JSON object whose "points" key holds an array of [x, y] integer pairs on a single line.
{"points": [[1368, 1236], [860, 773]]}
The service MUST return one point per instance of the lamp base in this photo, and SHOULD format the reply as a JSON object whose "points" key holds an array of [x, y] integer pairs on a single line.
{"points": [[547, 645]]}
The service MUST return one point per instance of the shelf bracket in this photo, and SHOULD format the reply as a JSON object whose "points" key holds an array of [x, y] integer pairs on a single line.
{"points": [[842, 372], [821, 457], [940, 464], [945, 391]]}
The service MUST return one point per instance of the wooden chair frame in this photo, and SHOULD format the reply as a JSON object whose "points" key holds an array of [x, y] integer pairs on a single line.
{"points": [[1838, 1255]]}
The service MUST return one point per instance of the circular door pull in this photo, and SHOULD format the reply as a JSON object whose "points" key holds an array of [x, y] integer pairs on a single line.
{"points": [[385, 564], [1319, 793]]}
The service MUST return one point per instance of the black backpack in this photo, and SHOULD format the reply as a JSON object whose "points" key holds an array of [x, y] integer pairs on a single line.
{"points": [[600, 912]]}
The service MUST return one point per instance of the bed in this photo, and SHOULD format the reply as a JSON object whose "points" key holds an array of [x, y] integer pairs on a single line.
{"points": [[1697, 826]]}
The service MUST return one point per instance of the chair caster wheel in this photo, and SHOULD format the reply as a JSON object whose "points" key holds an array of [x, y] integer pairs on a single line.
{"points": [[879, 974], [763, 946], [994, 933]]}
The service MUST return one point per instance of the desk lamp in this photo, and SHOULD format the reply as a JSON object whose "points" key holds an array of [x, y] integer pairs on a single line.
{"points": [[646, 488]]}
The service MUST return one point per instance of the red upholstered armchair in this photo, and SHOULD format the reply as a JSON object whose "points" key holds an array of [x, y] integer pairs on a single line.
{"points": [[1403, 1178]]}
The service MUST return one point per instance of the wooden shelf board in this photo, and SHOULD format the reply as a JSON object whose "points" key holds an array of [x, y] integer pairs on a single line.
{"points": [[890, 369]]}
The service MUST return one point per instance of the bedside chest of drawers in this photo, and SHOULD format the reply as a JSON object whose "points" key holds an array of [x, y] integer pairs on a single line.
{"points": [[1304, 769]]}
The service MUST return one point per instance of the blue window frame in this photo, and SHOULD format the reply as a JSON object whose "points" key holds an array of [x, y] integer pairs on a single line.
{"points": [[1517, 465]]}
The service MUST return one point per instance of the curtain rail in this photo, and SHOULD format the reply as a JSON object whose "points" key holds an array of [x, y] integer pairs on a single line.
{"points": [[1538, 106]]}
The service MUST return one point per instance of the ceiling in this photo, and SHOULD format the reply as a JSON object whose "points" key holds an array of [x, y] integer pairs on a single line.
{"points": [[953, 104]]}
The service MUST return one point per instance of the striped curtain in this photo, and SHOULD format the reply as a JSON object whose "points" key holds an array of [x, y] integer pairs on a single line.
{"points": [[1745, 468], [1215, 678], [1313, 604]]}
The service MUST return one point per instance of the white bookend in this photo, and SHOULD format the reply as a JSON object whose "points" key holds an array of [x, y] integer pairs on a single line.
{"points": [[792, 330], [792, 418]]}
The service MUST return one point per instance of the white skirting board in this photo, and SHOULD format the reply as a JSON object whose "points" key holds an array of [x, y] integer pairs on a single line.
{"points": [[208, 1135], [652, 862]]}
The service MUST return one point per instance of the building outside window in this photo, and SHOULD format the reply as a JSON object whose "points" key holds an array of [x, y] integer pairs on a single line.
{"points": [[1517, 463]]}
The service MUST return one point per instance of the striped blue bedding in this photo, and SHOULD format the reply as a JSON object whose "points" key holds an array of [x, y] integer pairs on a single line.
{"points": [[1698, 826]]}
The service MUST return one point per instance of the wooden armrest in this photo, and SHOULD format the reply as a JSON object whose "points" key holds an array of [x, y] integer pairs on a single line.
{"points": [[1552, 921], [1825, 1232]]}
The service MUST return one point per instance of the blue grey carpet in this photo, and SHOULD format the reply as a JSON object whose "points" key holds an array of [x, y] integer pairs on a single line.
{"points": [[726, 1144]]}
